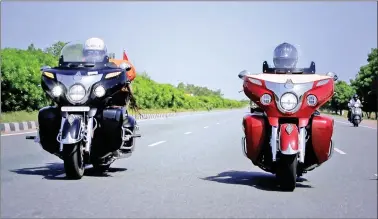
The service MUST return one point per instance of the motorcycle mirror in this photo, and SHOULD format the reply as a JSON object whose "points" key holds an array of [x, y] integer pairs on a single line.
{"points": [[333, 75], [125, 66], [243, 73], [43, 68]]}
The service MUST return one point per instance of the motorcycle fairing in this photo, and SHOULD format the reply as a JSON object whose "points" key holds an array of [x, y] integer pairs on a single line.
{"points": [[276, 85]]}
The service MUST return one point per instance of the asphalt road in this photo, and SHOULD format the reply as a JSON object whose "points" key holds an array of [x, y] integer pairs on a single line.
{"points": [[190, 167]]}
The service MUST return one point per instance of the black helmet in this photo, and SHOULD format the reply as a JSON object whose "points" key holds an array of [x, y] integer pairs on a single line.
{"points": [[355, 96], [285, 56]]}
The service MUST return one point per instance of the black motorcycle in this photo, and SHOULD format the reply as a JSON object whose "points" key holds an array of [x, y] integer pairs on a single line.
{"points": [[87, 125]]}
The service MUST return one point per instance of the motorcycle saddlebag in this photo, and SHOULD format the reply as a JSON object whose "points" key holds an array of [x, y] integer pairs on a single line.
{"points": [[111, 127], [49, 121]]}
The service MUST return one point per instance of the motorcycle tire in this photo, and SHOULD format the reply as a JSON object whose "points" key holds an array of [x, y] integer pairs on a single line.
{"points": [[287, 172], [73, 158]]}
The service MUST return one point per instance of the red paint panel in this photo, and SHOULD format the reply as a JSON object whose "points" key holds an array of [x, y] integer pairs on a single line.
{"points": [[287, 139], [321, 132], [255, 134]]}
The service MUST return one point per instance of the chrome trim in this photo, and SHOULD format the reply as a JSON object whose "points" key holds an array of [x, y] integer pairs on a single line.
{"points": [[126, 136], [77, 101], [89, 132], [279, 89], [273, 142], [322, 82], [311, 167], [255, 81], [70, 140], [37, 139], [289, 151], [59, 136], [331, 148], [244, 149], [289, 129], [302, 144], [86, 81]]}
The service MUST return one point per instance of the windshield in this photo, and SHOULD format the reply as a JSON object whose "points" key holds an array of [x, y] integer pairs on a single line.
{"points": [[75, 52]]}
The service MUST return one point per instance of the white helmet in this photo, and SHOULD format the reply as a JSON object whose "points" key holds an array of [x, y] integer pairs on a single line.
{"points": [[94, 44], [94, 49]]}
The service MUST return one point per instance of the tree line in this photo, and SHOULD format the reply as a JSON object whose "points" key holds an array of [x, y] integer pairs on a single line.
{"points": [[364, 85], [20, 84], [21, 77]]}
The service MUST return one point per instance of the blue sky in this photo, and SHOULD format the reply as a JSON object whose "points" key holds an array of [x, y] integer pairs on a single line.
{"points": [[204, 43]]}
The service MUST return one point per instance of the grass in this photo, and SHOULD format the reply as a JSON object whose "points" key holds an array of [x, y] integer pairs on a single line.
{"points": [[23, 116]]}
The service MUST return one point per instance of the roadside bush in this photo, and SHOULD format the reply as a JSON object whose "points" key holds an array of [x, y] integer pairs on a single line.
{"points": [[21, 78]]}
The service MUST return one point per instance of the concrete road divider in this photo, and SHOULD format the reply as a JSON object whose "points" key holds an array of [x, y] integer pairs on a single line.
{"points": [[33, 125]]}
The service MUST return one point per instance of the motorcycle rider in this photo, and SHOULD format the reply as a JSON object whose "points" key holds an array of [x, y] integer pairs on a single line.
{"points": [[351, 103], [95, 51]]}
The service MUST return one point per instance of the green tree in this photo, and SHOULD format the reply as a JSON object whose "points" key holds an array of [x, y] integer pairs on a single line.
{"points": [[343, 93], [20, 78], [365, 83], [55, 48]]}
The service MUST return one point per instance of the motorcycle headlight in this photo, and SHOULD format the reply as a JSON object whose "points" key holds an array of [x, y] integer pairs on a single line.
{"points": [[76, 92], [265, 99], [99, 91], [288, 101], [312, 100], [57, 91]]}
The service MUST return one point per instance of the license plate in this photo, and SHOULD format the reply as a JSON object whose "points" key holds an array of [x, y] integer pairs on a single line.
{"points": [[75, 108]]}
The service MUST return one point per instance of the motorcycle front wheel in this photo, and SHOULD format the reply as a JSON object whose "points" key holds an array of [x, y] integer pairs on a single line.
{"points": [[73, 158], [287, 172]]}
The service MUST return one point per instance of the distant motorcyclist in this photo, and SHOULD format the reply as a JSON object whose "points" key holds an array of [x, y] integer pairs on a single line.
{"points": [[351, 103]]}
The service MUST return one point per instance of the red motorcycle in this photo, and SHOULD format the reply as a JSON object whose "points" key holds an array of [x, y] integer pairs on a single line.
{"points": [[286, 135]]}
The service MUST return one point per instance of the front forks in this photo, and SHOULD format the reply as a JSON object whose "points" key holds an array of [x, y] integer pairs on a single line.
{"points": [[86, 133], [274, 141]]}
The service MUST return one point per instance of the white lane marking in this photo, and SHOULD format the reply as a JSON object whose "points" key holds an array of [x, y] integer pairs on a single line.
{"points": [[339, 151], [358, 126], [22, 133], [187, 133], [156, 143], [206, 127]]}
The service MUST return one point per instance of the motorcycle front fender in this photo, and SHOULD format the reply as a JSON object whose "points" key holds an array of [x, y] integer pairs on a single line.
{"points": [[71, 130], [289, 139]]}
